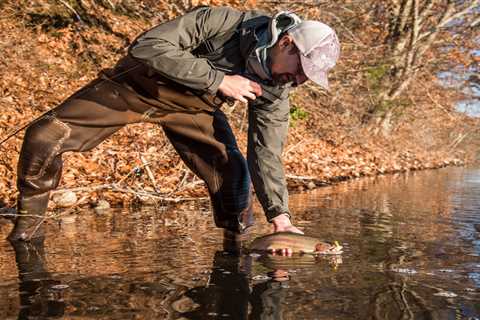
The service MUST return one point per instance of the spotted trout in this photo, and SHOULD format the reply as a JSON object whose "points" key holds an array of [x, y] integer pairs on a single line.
{"points": [[299, 243]]}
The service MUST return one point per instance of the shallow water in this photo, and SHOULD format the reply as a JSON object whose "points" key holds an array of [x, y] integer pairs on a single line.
{"points": [[411, 251]]}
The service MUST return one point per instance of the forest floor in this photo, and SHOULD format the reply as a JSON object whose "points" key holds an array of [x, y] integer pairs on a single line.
{"points": [[49, 52]]}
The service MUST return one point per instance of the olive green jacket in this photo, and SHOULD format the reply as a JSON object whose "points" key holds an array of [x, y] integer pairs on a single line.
{"points": [[197, 50]]}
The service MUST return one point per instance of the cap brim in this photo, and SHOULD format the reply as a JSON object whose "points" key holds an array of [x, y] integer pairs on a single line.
{"points": [[314, 73]]}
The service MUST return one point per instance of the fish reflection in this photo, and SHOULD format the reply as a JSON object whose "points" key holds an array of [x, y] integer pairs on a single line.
{"points": [[298, 261], [38, 296]]}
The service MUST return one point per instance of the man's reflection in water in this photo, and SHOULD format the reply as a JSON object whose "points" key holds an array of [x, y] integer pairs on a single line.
{"points": [[267, 297], [228, 293], [37, 298], [232, 293]]}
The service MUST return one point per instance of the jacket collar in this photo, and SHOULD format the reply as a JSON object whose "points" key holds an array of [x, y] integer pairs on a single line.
{"points": [[260, 33]]}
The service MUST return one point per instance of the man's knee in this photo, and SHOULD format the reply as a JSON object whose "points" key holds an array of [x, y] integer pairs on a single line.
{"points": [[232, 203], [235, 190], [40, 163]]}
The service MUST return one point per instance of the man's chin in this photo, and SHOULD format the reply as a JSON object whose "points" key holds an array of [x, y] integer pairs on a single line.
{"points": [[279, 80]]}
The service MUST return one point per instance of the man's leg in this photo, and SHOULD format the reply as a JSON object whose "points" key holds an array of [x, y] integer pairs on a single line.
{"points": [[79, 124], [207, 145]]}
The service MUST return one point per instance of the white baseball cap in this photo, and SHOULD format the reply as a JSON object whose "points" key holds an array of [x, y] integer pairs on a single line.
{"points": [[319, 48]]}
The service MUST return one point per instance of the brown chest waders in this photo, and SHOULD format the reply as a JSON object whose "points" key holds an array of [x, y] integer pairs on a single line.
{"points": [[194, 124]]}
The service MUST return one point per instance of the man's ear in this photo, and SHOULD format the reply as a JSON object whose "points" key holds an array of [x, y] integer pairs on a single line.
{"points": [[286, 41]]}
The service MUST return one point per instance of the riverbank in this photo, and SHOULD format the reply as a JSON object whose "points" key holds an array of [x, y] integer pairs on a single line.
{"points": [[49, 53]]}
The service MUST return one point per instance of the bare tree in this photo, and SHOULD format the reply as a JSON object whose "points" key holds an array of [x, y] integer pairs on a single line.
{"points": [[415, 27]]}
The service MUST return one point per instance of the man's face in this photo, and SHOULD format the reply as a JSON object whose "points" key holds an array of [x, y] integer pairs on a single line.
{"points": [[285, 63]]}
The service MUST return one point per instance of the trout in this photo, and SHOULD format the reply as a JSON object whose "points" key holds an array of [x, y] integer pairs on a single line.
{"points": [[299, 243]]}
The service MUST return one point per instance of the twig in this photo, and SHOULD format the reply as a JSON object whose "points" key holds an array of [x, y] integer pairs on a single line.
{"points": [[154, 196], [16, 131], [302, 3], [459, 139], [73, 10], [353, 37], [129, 174], [437, 103], [20, 215], [291, 148], [36, 228], [244, 117], [291, 176], [115, 187], [180, 184], [91, 189], [149, 173]]}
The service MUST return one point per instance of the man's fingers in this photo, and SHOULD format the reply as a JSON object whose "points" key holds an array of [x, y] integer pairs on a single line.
{"points": [[256, 88], [250, 95], [241, 98], [240, 88]]}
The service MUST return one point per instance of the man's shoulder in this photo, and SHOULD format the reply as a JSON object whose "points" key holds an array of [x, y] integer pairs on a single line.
{"points": [[255, 18], [249, 16]]}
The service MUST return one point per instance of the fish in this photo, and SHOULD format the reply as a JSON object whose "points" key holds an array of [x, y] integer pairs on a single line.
{"points": [[298, 243]]}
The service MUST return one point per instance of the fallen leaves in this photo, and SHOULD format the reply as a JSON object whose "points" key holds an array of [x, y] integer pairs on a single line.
{"points": [[41, 68]]}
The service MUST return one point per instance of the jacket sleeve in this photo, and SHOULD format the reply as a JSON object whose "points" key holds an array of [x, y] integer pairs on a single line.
{"points": [[167, 47], [267, 132]]}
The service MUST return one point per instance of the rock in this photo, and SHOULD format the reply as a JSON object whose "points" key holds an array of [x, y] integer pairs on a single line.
{"points": [[101, 206], [184, 304], [477, 226], [65, 199], [146, 200], [311, 185]]}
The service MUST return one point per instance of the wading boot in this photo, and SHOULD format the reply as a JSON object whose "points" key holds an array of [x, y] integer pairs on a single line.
{"points": [[232, 239], [31, 214], [246, 218]]}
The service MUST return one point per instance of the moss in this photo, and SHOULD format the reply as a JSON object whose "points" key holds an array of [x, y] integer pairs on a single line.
{"points": [[378, 82], [297, 114], [376, 74], [383, 106]]}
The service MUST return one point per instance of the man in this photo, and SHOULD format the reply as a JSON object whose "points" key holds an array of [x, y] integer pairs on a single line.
{"points": [[178, 74]]}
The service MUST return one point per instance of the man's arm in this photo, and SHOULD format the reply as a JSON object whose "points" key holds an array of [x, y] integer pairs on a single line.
{"points": [[167, 47], [267, 133]]}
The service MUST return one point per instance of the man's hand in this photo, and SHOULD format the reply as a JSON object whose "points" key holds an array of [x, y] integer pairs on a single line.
{"points": [[283, 223], [240, 88]]}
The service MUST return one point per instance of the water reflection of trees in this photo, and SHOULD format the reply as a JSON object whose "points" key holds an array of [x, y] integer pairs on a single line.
{"points": [[395, 224], [381, 206]]}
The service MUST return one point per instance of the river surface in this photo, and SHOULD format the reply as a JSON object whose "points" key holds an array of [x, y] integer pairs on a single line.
{"points": [[411, 251]]}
